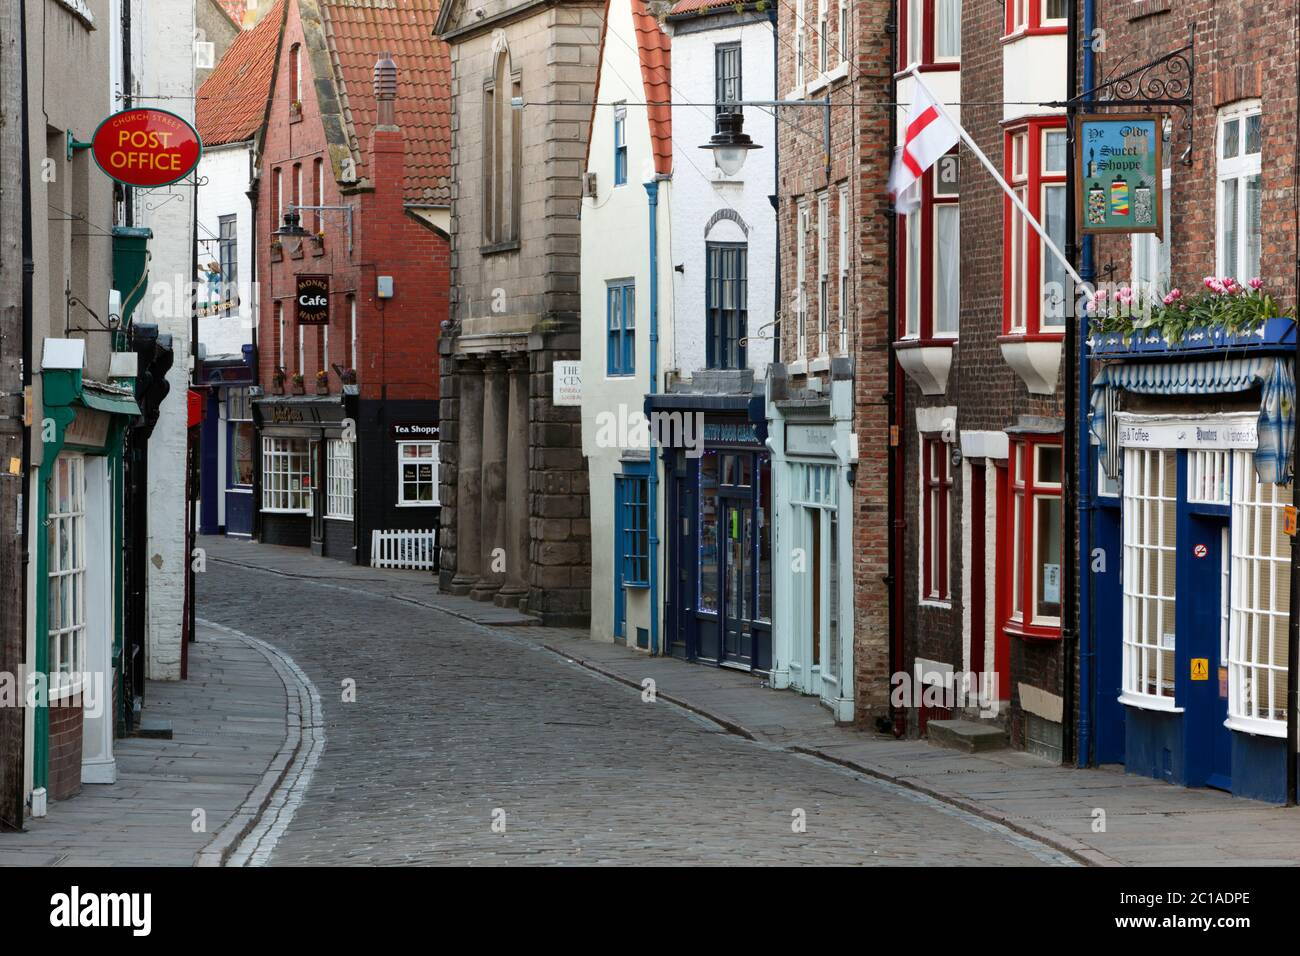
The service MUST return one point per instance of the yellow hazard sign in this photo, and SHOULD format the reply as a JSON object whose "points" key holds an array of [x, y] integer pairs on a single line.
{"points": [[1200, 668]]}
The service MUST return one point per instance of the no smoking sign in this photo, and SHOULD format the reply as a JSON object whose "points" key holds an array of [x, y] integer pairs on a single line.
{"points": [[1200, 550]]}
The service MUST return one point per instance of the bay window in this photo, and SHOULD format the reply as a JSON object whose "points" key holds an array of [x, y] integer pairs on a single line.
{"points": [[1035, 285], [1259, 603], [931, 259], [1036, 16], [1149, 569], [65, 532], [286, 475], [338, 479], [931, 32], [1240, 152], [936, 497], [1034, 510]]}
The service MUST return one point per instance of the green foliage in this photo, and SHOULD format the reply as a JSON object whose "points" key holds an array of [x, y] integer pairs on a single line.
{"points": [[1222, 304]]}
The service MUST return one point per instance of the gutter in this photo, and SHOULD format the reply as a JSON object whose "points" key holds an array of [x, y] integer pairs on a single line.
{"points": [[652, 191]]}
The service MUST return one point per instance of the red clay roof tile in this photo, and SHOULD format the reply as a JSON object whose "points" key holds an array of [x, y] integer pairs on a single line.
{"points": [[357, 35], [232, 101]]}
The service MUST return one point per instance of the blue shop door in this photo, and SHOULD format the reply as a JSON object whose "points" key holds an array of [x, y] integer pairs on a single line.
{"points": [[1203, 590]]}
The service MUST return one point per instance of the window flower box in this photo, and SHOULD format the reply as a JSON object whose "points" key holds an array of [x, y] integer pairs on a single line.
{"points": [[1272, 333]]}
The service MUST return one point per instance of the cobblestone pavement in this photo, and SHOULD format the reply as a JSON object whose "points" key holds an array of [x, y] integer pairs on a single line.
{"points": [[455, 725]]}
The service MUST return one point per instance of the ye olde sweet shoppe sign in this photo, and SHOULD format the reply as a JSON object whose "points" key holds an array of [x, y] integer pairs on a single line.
{"points": [[1119, 173], [145, 147]]}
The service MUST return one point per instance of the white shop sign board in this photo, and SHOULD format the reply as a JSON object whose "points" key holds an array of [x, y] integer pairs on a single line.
{"points": [[1211, 431], [566, 382]]}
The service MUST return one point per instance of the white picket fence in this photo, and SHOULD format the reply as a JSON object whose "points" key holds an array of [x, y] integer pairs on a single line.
{"points": [[414, 549]]}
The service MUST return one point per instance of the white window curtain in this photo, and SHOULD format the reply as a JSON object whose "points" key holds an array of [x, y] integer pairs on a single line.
{"points": [[1240, 152], [1055, 290], [947, 29], [912, 318], [947, 268]]}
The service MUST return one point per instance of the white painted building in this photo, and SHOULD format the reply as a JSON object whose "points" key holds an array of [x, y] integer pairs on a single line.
{"points": [[224, 248], [628, 192], [164, 41]]}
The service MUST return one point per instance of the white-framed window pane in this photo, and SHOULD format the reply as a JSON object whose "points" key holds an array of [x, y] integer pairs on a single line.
{"points": [[286, 475], [1253, 233], [417, 473], [66, 574], [947, 268], [1229, 235], [915, 30], [1260, 601], [339, 482], [1150, 517], [1054, 151]]}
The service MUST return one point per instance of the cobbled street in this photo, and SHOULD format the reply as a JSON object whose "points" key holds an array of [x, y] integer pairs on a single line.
{"points": [[455, 725]]}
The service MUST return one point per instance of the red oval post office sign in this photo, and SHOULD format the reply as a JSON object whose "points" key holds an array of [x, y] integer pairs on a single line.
{"points": [[146, 147]]}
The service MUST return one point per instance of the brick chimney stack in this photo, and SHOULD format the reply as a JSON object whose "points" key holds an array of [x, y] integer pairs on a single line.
{"points": [[386, 90]]}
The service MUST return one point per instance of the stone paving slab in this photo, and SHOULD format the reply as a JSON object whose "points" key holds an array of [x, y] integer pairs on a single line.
{"points": [[228, 722], [1147, 822], [417, 587]]}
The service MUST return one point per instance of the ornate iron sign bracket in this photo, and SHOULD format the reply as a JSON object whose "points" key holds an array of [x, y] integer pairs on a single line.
{"points": [[1168, 81]]}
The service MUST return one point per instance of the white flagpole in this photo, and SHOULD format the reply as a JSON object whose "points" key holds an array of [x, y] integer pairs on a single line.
{"points": [[1015, 200]]}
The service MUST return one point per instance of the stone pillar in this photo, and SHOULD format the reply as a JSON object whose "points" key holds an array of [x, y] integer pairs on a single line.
{"points": [[469, 442], [515, 587], [492, 563]]}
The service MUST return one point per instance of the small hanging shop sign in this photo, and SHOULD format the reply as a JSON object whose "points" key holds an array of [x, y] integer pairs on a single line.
{"points": [[1120, 166], [313, 299]]}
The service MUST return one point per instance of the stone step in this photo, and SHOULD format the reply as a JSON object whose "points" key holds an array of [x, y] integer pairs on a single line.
{"points": [[967, 735]]}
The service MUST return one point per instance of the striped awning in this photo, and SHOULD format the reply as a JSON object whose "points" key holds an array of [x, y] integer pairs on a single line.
{"points": [[1275, 375]]}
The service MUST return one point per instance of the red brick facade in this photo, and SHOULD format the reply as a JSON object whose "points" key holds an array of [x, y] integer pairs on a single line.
{"points": [[65, 748], [859, 163]]}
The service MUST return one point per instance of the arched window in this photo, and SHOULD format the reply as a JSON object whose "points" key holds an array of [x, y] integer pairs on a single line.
{"points": [[502, 153]]}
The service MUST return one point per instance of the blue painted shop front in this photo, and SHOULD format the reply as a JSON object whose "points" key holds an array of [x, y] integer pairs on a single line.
{"points": [[226, 444], [1190, 569]]}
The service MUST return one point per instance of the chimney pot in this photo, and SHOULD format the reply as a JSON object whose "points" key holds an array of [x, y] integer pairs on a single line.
{"points": [[386, 89]]}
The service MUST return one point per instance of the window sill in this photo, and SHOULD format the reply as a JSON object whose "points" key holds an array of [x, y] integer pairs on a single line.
{"points": [[937, 66], [935, 603], [831, 76], [287, 511], [821, 363], [1257, 727], [338, 518], [636, 585], [64, 692], [1035, 358], [416, 504], [1032, 632], [619, 376], [798, 367], [1145, 702], [1024, 32], [927, 362], [497, 248]]}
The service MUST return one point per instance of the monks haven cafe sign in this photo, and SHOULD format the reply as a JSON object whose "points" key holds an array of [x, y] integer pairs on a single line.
{"points": [[145, 147]]}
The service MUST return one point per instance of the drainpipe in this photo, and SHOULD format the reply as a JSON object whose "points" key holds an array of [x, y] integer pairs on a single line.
{"points": [[775, 198], [1087, 649], [1293, 617], [894, 403], [652, 191]]}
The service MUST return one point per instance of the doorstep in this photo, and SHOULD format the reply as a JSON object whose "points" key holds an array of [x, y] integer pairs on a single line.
{"points": [[1101, 817]]}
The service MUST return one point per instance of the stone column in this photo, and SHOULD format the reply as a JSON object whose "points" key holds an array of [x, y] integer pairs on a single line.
{"points": [[515, 587], [492, 559], [469, 475]]}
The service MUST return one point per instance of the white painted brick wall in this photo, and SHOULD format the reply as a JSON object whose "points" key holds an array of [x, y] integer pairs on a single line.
{"points": [[167, 82], [226, 170]]}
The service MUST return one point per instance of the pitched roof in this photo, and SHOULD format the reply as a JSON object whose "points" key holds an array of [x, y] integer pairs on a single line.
{"points": [[690, 6], [357, 34], [232, 101], [654, 47], [654, 50]]}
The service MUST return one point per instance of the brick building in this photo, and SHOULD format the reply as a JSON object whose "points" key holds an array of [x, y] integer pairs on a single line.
{"points": [[353, 268], [515, 527], [980, 324], [828, 389], [1187, 473]]}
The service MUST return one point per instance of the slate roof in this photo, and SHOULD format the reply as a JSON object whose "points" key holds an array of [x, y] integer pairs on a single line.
{"points": [[231, 103], [357, 35]]}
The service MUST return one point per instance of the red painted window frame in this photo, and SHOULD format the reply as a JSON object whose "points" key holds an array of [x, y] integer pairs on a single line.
{"points": [[1028, 490], [1033, 22], [925, 327], [935, 474], [1034, 180], [928, 62]]}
